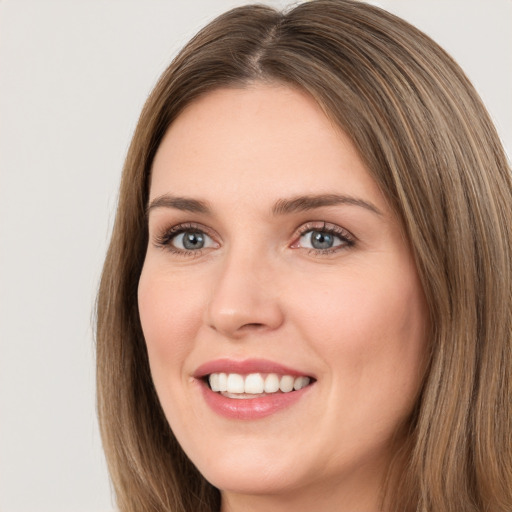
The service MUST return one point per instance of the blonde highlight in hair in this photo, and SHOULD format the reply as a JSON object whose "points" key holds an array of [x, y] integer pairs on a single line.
{"points": [[430, 145]]}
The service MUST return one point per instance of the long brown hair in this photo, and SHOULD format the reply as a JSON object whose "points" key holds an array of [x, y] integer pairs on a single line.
{"points": [[428, 142]]}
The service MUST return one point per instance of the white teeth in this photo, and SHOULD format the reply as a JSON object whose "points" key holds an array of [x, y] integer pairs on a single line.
{"points": [[223, 382], [255, 383], [271, 383], [214, 382], [286, 384], [300, 382], [235, 383]]}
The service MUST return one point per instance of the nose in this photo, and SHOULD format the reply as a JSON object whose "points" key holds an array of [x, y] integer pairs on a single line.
{"points": [[245, 298]]}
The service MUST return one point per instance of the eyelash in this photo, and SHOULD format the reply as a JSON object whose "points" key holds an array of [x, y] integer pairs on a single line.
{"points": [[347, 239], [164, 239]]}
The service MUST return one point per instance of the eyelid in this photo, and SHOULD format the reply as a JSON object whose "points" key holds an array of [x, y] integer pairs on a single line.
{"points": [[163, 237], [328, 227]]}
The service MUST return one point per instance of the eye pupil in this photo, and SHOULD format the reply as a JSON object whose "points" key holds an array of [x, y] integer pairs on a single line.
{"points": [[321, 240], [193, 240]]}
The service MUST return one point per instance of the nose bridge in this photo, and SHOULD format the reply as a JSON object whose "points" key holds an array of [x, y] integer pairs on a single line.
{"points": [[244, 298]]}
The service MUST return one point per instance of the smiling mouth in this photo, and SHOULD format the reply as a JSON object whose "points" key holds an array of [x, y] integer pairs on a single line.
{"points": [[255, 385]]}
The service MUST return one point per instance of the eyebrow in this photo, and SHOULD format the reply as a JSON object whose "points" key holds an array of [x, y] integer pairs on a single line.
{"points": [[310, 202], [186, 204], [281, 207]]}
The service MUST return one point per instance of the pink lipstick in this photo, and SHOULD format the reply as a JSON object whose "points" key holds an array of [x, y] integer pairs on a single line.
{"points": [[251, 389]]}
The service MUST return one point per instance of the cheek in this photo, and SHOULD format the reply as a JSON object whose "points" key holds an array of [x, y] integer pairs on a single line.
{"points": [[362, 311], [170, 313], [371, 330]]}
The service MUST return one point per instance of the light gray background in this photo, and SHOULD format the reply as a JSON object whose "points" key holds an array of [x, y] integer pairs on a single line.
{"points": [[73, 78]]}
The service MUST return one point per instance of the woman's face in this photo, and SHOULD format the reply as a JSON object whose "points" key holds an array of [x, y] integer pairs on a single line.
{"points": [[275, 261]]}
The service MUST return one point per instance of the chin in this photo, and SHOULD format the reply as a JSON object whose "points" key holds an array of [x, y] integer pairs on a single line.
{"points": [[251, 484], [251, 475]]}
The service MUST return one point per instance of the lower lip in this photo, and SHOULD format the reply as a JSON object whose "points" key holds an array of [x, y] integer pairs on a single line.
{"points": [[251, 408]]}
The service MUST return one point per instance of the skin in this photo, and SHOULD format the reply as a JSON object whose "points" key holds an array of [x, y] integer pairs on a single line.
{"points": [[354, 317]]}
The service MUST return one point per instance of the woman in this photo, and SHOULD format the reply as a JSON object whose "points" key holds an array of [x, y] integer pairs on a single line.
{"points": [[306, 303]]}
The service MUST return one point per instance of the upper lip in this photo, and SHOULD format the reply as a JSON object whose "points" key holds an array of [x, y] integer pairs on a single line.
{"points": [[246, 366]]}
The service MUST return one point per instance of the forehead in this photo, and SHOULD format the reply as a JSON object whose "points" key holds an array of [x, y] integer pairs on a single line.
{"points": [[257, 143]]}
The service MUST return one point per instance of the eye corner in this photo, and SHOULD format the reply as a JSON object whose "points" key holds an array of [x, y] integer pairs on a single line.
{"points": [[172, 239], [338, 238]]}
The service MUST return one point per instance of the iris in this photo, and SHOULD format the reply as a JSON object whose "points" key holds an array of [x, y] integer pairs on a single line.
{"points": [[321, 240], [193, 240]]}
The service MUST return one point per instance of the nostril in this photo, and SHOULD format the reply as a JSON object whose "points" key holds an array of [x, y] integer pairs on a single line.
{"points": [[248, 326], [252, 326]]}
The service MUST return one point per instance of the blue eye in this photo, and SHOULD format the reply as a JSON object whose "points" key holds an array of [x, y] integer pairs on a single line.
{"points": [[320, 240], [191, 241]]}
